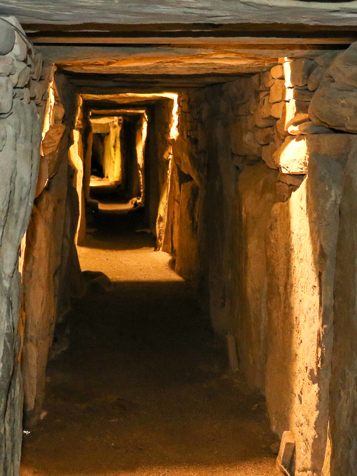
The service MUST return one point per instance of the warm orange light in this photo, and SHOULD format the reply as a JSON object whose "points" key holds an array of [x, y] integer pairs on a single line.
{"points": [[131, 98]]}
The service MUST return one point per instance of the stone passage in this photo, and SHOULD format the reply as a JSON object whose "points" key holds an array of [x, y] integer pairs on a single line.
{"points": [[230, 139], [143, 388]]}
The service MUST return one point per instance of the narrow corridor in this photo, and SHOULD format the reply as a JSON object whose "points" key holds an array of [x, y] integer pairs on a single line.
{"points": [[143, 388]]}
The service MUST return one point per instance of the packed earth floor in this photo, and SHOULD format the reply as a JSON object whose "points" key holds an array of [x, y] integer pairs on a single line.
{"points": [[144, 386]]}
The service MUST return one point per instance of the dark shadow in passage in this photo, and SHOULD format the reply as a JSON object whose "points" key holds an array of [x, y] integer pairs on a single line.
{"points": [[144, 385], [128, 225]]}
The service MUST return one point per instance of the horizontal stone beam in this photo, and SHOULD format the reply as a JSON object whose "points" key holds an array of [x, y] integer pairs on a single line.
{"points": [[183, 11], [190, 41]]}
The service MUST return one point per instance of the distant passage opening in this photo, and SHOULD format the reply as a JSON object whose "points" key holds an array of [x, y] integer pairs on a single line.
{"points": [[144, 386]]}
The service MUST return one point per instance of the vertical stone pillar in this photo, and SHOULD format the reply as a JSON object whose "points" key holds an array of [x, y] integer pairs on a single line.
{"points": [[20, 139]]}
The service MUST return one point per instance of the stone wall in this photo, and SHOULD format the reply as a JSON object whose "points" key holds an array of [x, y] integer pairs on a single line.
{"points": [[21, 91], [131, 179], [51, 269], [301, 250], [255, 199], [255, 219], [156, 166], [111, 155], [334, 105]]}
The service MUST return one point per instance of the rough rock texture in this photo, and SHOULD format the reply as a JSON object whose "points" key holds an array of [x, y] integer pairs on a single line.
{"points": [[295, 154], [270, 282], [130, 160], [186, 259], [334, 103], [19, 158], [70, 278], [76, 159], [40, 283], [302, 256], [343, 380], [157, 155], [247, 199], [112, 162], [50, 265], [257, 195], [163, 11]]}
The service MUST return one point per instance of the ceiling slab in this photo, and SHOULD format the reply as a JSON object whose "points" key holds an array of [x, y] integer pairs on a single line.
{"points": [[137, 99], [141, 84], [192, 42], [182, 11], [117, 112], [205, 65]]}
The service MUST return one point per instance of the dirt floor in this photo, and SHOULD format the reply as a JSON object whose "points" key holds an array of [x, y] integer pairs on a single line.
{"points": [[144, 388]]}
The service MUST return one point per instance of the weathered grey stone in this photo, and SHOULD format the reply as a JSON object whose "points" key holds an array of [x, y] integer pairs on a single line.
{"points": [[3, 136], [7, 66], [298, 94], [326, 59], [334, 108], [315, 78], [23, 94], [20, 47], [19, 165], [334, 102], [6, 93], [21, 76], [297, 72], [36, 66], [7, 38], [288, 12], [343, 68], [36, 91], [343, 386]]}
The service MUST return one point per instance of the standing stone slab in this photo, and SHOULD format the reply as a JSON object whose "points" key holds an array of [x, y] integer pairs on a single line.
{"points": [[301, 256], [344, 368], [334, 103], [257, 195], [19, 161], [187, 253], [42, 263]]}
